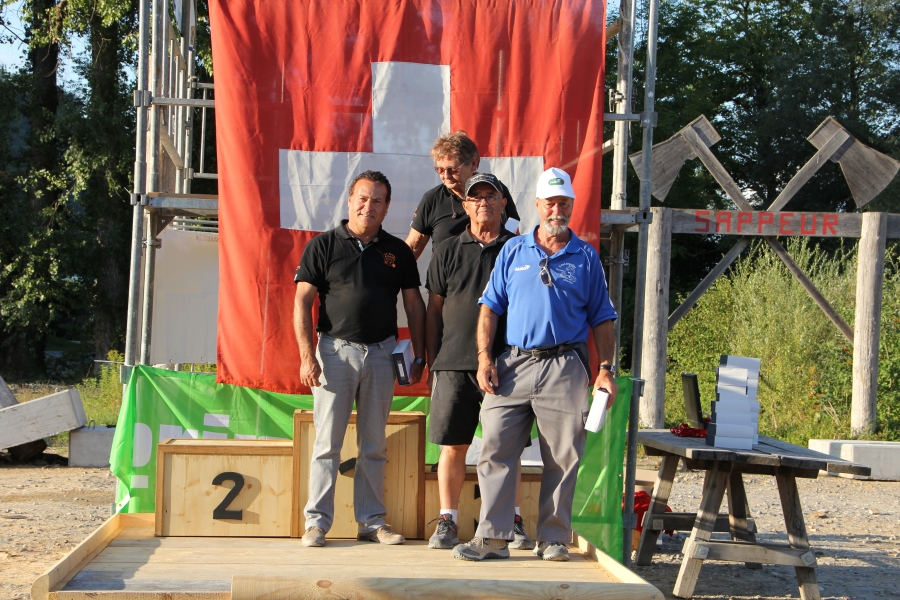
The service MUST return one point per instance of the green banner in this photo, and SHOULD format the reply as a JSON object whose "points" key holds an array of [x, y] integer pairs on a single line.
{"points": [[160, 404]]}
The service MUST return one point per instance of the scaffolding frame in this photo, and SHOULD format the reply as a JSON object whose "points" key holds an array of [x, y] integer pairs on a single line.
{"points": [[165, 104]]}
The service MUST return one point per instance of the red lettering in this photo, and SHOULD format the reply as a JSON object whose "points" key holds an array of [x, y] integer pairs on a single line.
{"points": [[828, 223], [700, 217], [765, 218], [744, 218], [723, 217], [783, 222], [811, 230]]}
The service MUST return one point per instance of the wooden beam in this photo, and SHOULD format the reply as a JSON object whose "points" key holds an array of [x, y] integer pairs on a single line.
{"points": [[684, 521], [809, 169], [169, 145], [808, 285], [766, 223], [869, 289], [664, 480], [707, 282], [760, 554], [739, 519], [613, 29], [796, 530], [713, 492], [656, 314]]}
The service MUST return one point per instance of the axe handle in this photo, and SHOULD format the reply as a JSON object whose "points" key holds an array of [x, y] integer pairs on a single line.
{"points": [[809, 169], [704, 285], [715, 168], [808, 285]]}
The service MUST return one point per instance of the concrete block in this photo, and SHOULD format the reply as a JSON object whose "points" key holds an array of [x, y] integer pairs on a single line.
{"points": [[750, 407], [41, 418], [90, 446], [882, 457], [742, 362], [745, 430]]}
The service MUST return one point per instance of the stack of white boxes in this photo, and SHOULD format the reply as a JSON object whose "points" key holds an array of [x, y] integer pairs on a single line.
{"points": [[735, 412]]}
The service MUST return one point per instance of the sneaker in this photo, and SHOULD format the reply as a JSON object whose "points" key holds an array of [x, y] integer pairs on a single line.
{"points": [[446, 535], [552, 551], [481, 548], [521, 540], [314, 537], [382, 535]]}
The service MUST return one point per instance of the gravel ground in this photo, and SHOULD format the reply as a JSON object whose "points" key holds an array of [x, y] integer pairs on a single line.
{"points": [[853, 525]]}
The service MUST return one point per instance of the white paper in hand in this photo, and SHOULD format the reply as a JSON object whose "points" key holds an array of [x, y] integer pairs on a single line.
{"points": [[597, 416]]}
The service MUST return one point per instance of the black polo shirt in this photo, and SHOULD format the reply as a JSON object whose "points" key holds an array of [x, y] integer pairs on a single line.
{"points": [[459, 271], [434, 215], [358, 285]]}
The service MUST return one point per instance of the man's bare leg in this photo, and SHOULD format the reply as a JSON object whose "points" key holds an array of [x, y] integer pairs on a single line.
{"points": [[451, 476]]}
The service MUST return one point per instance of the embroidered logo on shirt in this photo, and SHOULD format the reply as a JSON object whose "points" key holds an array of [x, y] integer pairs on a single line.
{"points": [[389, 259], [522, 268], [566, 272]]}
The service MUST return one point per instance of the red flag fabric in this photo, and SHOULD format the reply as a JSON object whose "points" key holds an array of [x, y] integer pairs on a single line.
{"points": [[311, 92]]}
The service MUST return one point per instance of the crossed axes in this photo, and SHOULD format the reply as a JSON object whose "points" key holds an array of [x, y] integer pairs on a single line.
{"points": [[867, 172]]}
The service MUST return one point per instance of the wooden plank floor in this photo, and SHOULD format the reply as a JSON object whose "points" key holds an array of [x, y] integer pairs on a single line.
{"points": [[137, 561]]}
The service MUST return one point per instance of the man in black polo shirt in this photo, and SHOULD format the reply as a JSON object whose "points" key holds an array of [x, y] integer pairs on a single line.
{"points": [[459, 270], [356, 269], [440, 214]]}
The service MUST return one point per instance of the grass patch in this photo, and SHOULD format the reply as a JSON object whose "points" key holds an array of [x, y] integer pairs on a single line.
{"points": [[760, 310]]}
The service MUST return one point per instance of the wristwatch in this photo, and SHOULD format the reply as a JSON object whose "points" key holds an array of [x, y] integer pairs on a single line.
{"points": [[419, 361], [611, 368]]}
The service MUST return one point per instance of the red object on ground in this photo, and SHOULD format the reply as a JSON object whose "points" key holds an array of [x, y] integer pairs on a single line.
{"points": [[641, 506], [526, 80]]}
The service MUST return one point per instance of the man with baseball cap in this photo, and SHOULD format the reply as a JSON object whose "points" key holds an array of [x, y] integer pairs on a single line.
{"points": [[552, 289], [458, 273], [440, 214]]}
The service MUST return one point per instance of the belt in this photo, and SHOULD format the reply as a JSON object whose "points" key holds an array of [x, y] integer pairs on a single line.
{"points": [[542, 353]]}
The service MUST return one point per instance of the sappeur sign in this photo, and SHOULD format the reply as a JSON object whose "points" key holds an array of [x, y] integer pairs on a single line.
{"points": [[765, 223]]}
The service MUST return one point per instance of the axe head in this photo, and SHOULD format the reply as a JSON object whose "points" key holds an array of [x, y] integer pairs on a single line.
{"points": [[867, 171], [669, 156]]}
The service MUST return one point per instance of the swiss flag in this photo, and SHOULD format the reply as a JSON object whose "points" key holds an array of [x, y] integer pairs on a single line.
{"points": [[311, 92]]}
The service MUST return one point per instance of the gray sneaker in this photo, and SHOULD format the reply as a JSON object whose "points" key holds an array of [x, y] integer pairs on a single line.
{"points": [[552, 551], [481, 548], [314, 537], [382, 535], [521, 540], [446, 535]]}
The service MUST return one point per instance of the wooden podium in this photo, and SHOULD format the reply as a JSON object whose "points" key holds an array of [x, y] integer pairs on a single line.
{"points": [[224, 488], [404, 477], [258, 488]]}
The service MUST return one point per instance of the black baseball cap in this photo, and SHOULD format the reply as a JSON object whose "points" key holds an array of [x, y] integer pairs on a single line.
{"points": [[483, 178]]}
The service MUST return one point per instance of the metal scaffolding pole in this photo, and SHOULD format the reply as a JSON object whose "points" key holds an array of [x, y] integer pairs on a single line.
{"points": [[158, 45], [648, 122], [140, 181], [621, 138]]}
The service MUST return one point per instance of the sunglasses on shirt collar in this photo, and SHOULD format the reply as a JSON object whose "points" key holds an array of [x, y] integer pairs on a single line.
{"points": [[546, 277]]}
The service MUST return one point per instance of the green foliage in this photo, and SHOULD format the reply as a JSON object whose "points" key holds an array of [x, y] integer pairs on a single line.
{"points": [[760, 310], [102, 396]]}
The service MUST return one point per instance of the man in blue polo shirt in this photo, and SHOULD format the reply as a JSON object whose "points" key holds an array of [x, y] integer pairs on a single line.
{"points": [[552, 288]]}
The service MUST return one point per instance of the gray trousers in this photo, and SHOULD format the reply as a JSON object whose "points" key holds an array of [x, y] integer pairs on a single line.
{"points": [[555, 392], [363, 373]]}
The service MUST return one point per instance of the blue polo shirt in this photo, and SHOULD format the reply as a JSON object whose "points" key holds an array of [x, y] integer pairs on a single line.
{"points": [[539, 316]]}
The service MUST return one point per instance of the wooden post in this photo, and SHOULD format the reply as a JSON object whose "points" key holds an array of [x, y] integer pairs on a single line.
{"points": [[869, 284], [656, 319]]}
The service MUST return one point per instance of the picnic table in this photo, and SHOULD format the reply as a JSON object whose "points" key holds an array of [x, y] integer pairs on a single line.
{"points": [[724, 475]]}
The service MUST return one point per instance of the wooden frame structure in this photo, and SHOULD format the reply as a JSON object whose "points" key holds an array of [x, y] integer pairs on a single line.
{"points": [[867, 171]]}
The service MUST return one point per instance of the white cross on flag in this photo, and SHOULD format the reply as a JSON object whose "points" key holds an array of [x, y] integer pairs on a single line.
{"points": [[311, 93]]}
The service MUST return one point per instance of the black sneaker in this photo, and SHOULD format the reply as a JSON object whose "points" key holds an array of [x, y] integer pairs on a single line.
{"points": [[446, 536], [521, 540]]}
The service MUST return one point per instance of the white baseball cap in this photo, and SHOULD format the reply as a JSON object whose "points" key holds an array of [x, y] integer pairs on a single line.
{"points": [[554, 182]]}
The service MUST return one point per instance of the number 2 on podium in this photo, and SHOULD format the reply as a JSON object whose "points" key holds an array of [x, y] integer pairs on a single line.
{"points": [[222, 511]]}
